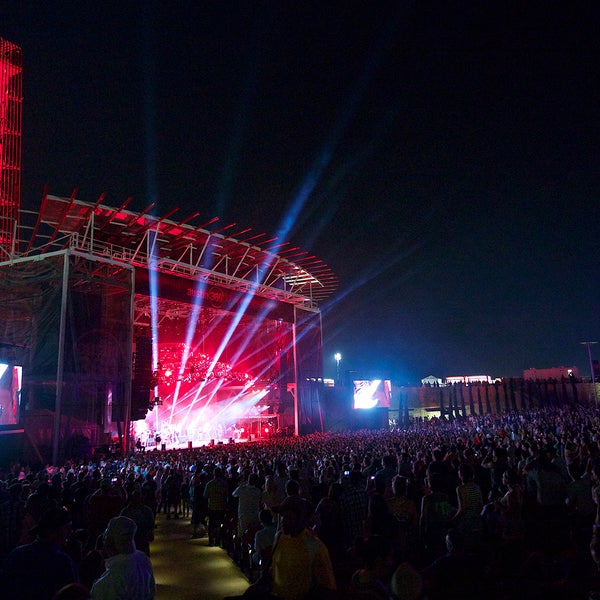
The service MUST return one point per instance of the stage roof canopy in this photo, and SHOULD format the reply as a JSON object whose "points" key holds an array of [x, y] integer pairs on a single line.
{"points": [[229, 256]]}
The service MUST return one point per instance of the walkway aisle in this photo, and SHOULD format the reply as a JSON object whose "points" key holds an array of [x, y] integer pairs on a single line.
{"points": [[187, 569]]}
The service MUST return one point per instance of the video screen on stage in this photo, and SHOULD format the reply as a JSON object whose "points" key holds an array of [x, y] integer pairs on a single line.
{"points": [[10, 390], [372, 393]]}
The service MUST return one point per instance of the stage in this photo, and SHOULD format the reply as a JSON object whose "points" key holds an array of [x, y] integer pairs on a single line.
{"points": [[246, 429], [158, 327]]}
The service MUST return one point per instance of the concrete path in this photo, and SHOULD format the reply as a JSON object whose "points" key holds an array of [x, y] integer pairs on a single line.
{"points": [[188, 569]]}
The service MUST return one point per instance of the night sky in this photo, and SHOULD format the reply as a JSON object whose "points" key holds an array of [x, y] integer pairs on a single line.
{"points": [[442, 157]]}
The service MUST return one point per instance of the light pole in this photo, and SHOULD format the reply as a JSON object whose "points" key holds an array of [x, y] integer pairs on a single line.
{"points": [[338, 358], [589, 349]]}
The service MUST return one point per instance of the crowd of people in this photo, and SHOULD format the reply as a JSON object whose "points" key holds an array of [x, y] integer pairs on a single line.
{"points": [[501, 505]]}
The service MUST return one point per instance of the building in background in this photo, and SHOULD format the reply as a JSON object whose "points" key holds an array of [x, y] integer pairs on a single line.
{"points": [[551, 373], [468, 379]]}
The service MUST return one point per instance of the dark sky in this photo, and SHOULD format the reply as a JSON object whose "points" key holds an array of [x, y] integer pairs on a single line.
{"points": [[442, 157]]}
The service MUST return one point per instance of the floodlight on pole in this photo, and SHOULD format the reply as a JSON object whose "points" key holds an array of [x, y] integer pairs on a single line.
{"points": [[338, 358], [589, 349]]}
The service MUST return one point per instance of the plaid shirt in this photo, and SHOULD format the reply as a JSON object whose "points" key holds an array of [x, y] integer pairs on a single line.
{"points": [[353, 504]]}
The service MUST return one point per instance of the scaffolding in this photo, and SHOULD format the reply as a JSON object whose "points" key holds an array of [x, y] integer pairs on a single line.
{"points": [[11, 100], [67, 320]]}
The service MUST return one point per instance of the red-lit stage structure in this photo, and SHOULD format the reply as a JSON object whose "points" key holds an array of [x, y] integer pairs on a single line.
{"points": [[117, 324], [193, 333]]}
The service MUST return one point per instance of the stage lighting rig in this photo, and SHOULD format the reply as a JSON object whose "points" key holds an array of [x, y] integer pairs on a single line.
{"points": [[156, 377]]}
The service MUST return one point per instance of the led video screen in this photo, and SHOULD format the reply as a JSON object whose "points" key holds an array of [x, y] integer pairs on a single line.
{"points": [[372, 393], [10, 390]]}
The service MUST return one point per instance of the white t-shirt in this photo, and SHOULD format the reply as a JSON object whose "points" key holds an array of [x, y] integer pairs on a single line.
{"points": [[127, 577]]}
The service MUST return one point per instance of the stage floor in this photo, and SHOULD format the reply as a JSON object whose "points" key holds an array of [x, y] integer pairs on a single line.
{"points": [[162, 446]]}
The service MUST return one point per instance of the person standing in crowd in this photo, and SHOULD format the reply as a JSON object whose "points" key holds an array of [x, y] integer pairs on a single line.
{"points": [[184, 493], [401, 506], [328, 522], [453, 574], [129, 573], [264, 538], [199, 502], [387, 473], [371, 579], [150, 492], [105, 503], [467, 519], [580, 503], [249, 495], [12, 512], [301, 562], [545, 483], [404, 509], [280, 480], [172, 489], [381, 523], [163, 504], [216, 493], [443, 469], [436, 514], [143, 516], [36, 571], [353, 506], [496, 461], [269, 494]]}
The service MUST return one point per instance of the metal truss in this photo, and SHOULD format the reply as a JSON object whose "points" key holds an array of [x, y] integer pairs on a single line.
{"points": [[240, 262]]}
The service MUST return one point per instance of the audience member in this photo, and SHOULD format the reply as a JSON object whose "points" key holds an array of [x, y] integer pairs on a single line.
{"points": [[104, 504], [248, 494], [128, 574], [12, 513], [372, 578], [353, 505], [216, 493], [455, 574], [328, 522], [467, 518], [143, 516], [36, 571], [436, 516], [264, 538], [199, 503], [301, 562]]}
